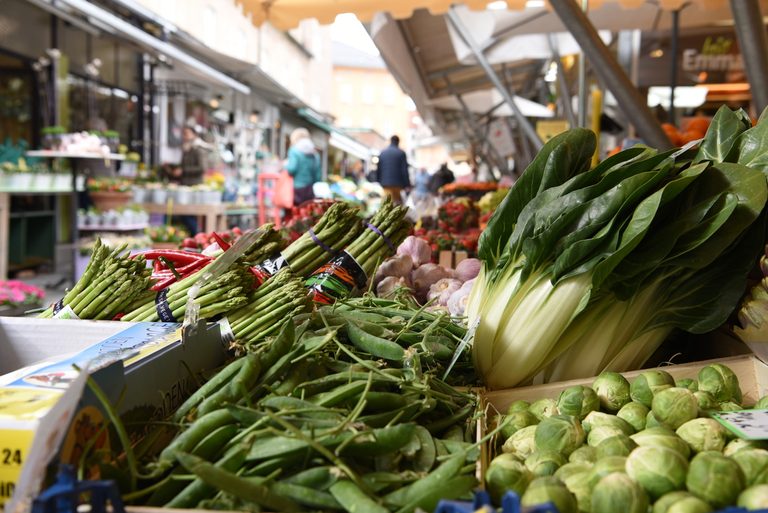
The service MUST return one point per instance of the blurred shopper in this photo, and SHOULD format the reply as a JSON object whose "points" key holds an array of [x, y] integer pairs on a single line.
{"points": [[443, 176], [191, 170], [421, 184], [303, 165], [393, 170]]}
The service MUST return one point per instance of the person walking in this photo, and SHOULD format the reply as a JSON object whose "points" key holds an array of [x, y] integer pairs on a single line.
{"points": [[303, 165], [443, 176], [393, 170]]}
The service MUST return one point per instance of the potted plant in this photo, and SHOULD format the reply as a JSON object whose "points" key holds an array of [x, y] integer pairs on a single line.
{"points": [[52, 137], [112, 139], [166, 236], [16, 297], [109, 193]]}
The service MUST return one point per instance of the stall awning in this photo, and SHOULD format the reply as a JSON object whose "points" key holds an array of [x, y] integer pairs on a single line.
{"points": [[338, 138], [114, 24], [287, 14]]}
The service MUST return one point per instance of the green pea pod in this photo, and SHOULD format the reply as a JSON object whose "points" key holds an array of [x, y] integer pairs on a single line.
{"points": [[199, 490], [373, 345], [249, 489], [454, 433], [240, 386], [404, 414], [220, 379], [319, 478], [198, 430], [384, 401], [279, 346], [340, 394], [306, 496], [310, 388], [354, 500], [380, 481], [456, 447], [424, 459], [271, 447], [450, 489], [447, 470], [384, 441]]}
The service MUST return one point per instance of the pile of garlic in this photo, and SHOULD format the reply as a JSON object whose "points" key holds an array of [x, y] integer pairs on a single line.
{"points": [[412, 268]]}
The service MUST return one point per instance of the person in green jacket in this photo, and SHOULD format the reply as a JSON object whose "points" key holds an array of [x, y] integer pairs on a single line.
{"points": [[303, 165]]}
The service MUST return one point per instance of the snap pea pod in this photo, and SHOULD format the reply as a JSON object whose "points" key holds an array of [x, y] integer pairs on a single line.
{"points": [[381, 441], [406, 495], [242, 383], [199, 490], [375, 346], [279, 445], [352, 499], [250, 489], [380, 481], [305, 495], [194, 434], [339, 394], [453, 488], [425, 457], [209, 387], [320, 478], [332, 380], [385, 401]]}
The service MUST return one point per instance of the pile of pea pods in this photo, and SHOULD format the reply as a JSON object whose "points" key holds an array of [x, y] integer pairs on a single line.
{"points": [[344, 410]]}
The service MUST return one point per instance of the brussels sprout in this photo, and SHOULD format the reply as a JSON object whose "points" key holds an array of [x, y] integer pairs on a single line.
{"points": [[729, 406], [648, 384], [544, 463], [607, 466], [762, 403], [754, 498], [754, 464], [612, 389], [651, 421], [739, 444], [515, 421], [635, 415], [689, 505], [666, 500], [506, 473], [578, 484], [600, 433], [574, 467], [705, 401], [703, 435], [543, 408], [577, 401], [662, 437], [715, 478], [550, 489], [617, 492], [721, 382], [690, 384], [519, 405], [561, 433], [617, 445], [597, 419], [658, 470], [522, 442], [674, 406], [584, 453]]}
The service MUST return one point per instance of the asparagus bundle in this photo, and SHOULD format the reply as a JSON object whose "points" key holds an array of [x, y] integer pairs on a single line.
{"points": [[224, 293], [380, 238], [267, 243], [332, 232], [111, 282], [272, 305], [386, 230]]}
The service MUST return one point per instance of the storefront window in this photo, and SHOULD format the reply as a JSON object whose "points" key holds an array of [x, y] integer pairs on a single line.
{"points": [[98, 107], [16, 103]]}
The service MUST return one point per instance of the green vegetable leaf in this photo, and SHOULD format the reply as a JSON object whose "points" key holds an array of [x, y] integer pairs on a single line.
{"points": [[561, 158], [751, 148], [722, 134]]}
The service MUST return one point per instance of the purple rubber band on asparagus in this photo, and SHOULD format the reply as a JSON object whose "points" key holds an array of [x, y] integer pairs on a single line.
{"points": [[320, 243], [380, 234]]}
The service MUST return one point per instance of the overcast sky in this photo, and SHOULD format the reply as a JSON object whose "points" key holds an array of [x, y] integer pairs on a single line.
{"points": [[347, 29]]}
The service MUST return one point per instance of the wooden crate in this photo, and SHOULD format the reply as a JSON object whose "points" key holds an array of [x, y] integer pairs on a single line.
{"points": [[752, 374]]}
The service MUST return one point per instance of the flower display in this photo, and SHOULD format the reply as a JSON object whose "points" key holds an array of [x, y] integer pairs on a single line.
{"points": [[166, 234], [17, 293], [458, 215], [108, 185]]}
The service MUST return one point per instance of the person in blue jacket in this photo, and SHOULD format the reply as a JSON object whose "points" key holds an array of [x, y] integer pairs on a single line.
{"points": [[303, 165], [393, 170]]}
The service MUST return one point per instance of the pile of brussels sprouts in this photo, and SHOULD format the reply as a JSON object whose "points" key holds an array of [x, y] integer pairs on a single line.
{"points": [[631, 448]]}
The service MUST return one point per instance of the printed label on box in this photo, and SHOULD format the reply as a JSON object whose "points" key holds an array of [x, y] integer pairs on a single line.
{"points": [[14, 447], [746, 424]]}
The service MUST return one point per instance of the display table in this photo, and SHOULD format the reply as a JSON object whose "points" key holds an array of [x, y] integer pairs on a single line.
{"points": [[76, 159], [214, 216]]}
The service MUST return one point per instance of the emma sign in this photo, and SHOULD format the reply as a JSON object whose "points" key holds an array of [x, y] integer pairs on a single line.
{"points": [[716, 54]]}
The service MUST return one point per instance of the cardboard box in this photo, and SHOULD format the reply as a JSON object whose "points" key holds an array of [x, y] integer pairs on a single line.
{"points": [[46, 411], [752, 373]]}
